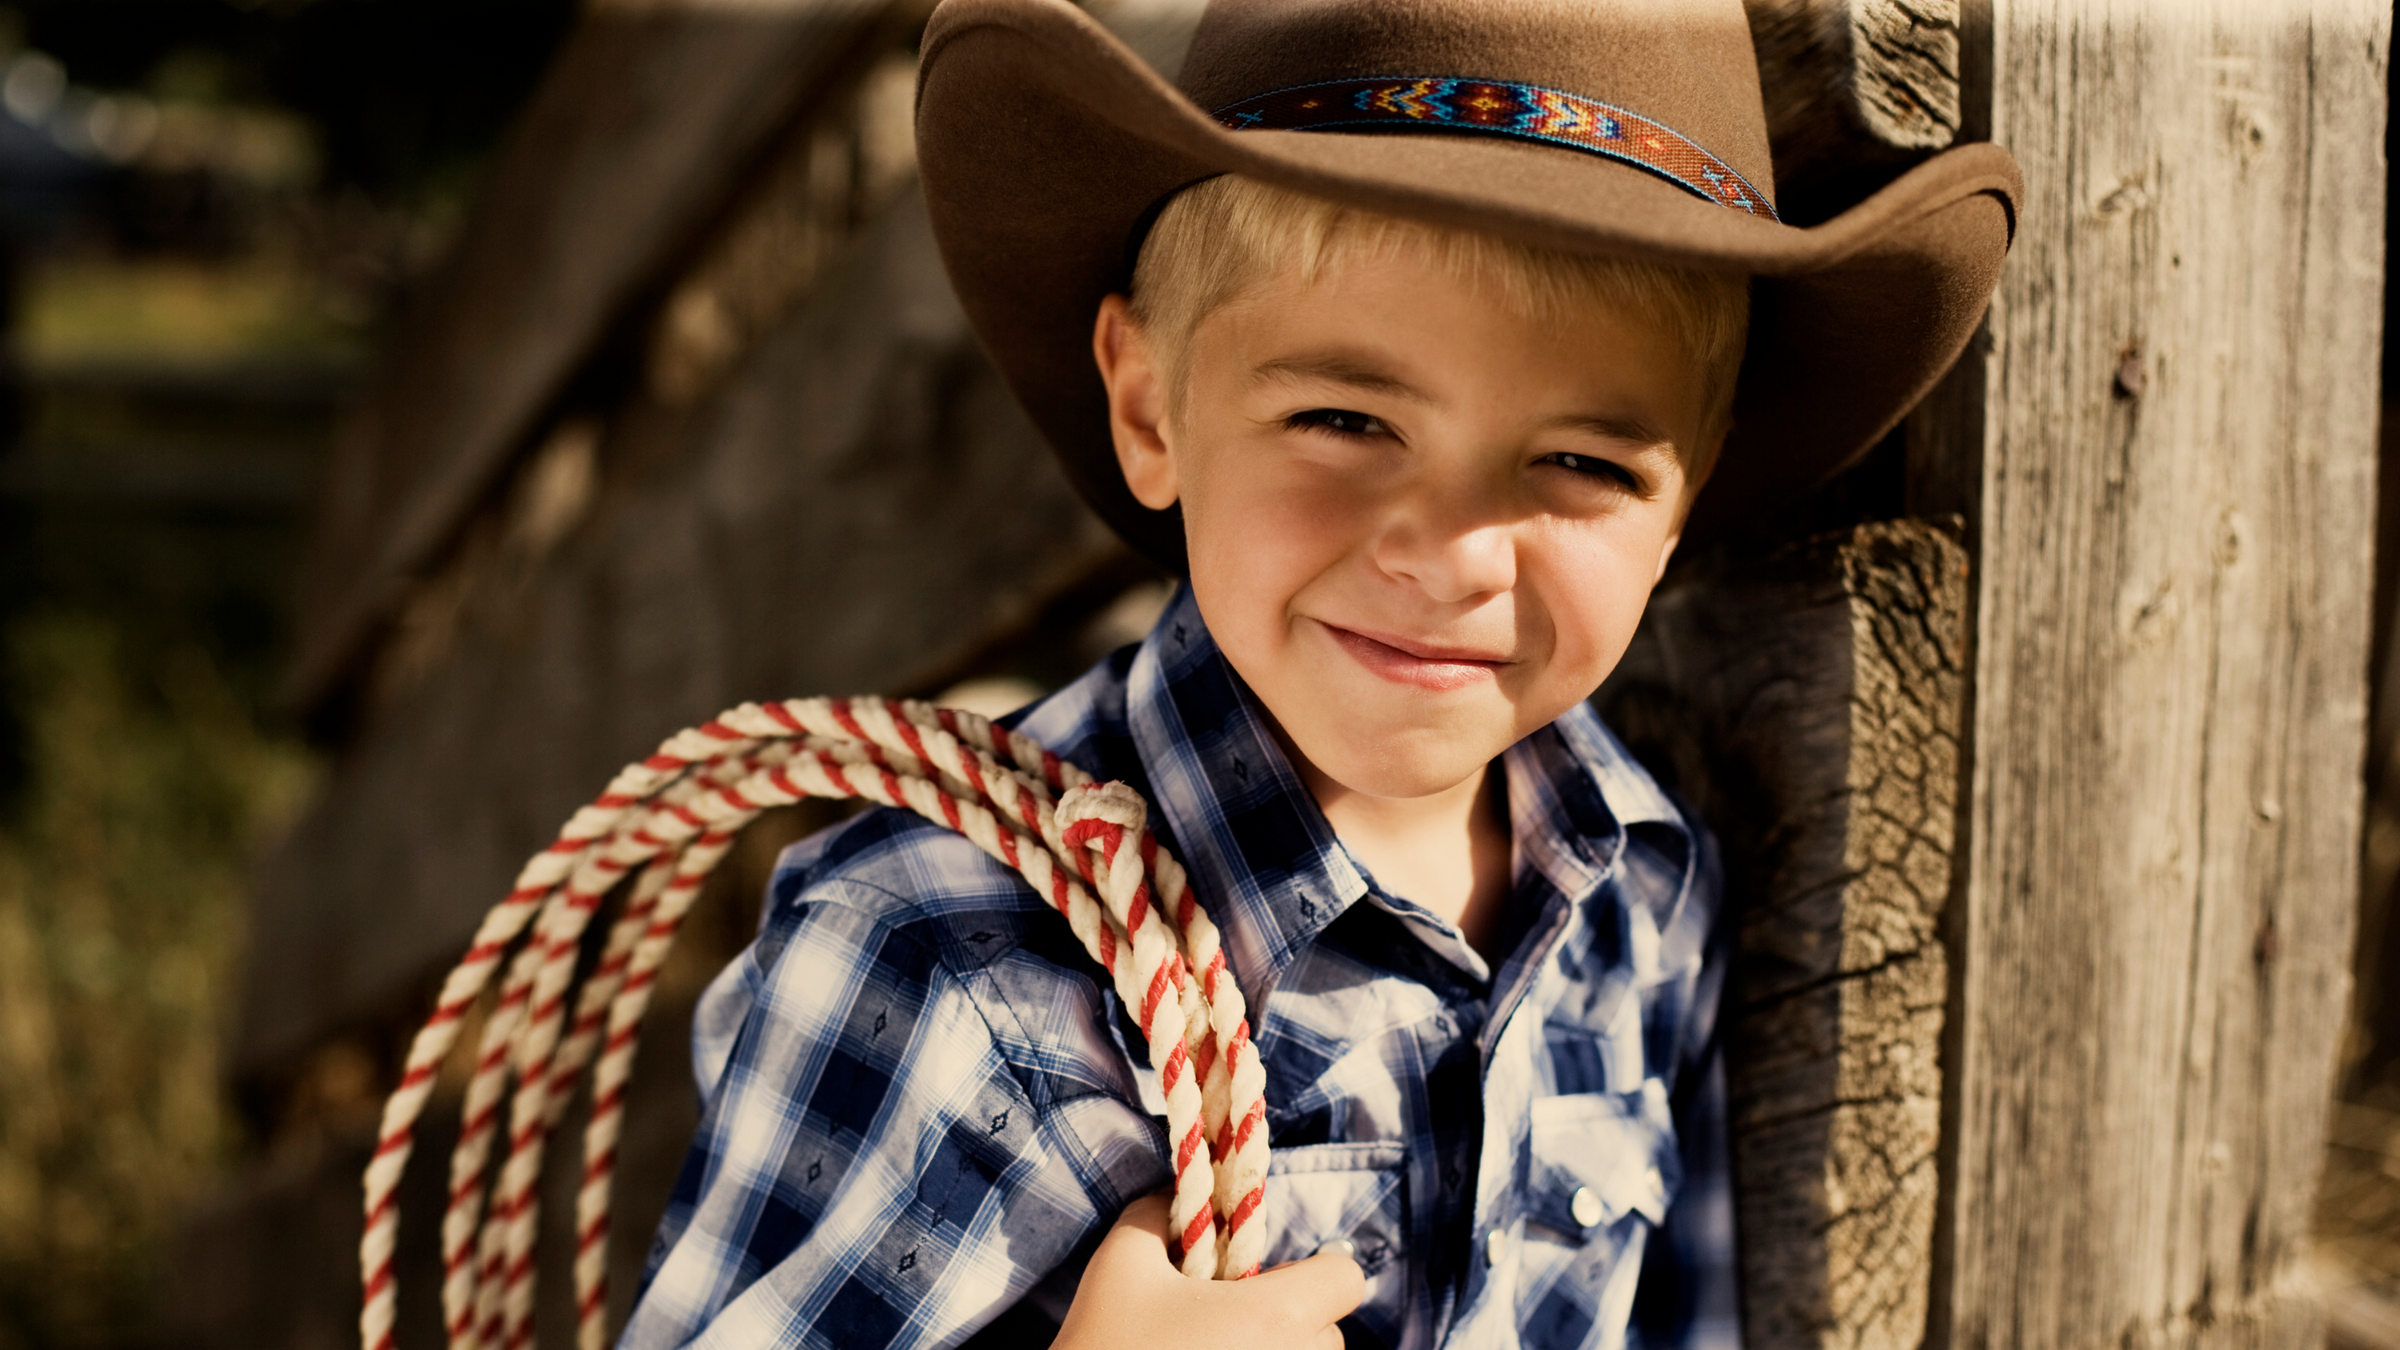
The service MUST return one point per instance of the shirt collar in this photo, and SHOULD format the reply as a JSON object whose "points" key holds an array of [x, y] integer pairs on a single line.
{"points": [[1573, 793], [1260, 852]]}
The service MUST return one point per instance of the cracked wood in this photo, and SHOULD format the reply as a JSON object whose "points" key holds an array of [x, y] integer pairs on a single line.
{"points": [[1855, 91], [1809, 703]]}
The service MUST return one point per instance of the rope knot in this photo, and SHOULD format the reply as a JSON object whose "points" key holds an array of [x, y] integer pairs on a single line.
{"points": [[1107, 820], [1096, 807]]}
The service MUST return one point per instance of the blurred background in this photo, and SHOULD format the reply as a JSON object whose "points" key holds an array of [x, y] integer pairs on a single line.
{"points": [[210, 215], [397, 393], [410, 410]]}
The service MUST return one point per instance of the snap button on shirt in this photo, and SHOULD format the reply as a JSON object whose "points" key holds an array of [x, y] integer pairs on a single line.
{"points": [[1586, 1207], [1342, 1246], [1495, 1246]]}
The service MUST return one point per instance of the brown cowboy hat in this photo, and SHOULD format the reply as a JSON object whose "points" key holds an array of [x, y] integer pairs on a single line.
{"points": [[1631, 128]]}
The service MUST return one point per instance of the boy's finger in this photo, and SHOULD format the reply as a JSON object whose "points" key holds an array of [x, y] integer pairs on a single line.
{"points": [[1325, 1288]]}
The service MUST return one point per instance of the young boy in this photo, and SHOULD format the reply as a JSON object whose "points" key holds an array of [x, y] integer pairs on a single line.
{"points": [[1422, 418]]}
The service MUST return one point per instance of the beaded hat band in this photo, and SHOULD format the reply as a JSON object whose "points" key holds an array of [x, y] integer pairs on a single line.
{"points": [[1499, 107]]}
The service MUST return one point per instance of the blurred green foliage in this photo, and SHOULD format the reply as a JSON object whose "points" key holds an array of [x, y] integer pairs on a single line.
{"points": [[178, 312], [148, 789], [176, 332]]}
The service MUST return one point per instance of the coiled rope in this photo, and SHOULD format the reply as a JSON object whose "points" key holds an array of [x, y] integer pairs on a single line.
{"points": [[667, 820]]}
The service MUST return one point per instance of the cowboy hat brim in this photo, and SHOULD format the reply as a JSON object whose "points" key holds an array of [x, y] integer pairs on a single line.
{"points": [[1044, 145]]}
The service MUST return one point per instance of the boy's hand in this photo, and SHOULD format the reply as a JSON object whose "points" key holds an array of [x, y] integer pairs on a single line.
{"points": [[1131, 1296]]}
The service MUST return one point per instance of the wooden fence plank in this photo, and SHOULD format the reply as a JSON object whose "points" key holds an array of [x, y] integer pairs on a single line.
{"points": [[640, 132], [2173, 474], [825, 522]]}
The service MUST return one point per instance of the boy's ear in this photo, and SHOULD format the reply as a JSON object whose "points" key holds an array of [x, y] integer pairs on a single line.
{"points": [[1666, 554], [1691, 493], [1137, 404]]}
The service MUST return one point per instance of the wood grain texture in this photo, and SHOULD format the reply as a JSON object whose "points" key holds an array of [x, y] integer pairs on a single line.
{"points": [[1809, 703], [1855, 90], [859, 505], [641, 129], [1905, 54], [2174, 472]]}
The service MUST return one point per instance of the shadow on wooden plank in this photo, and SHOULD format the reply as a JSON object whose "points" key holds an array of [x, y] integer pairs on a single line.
{"points": [[1808, 703]]}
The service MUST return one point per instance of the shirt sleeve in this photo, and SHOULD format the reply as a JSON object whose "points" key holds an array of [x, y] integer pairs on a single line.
{"points": [[869, 1171]]}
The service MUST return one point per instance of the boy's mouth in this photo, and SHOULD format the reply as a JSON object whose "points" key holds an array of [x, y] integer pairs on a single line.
{"points": [[1417, 664]]}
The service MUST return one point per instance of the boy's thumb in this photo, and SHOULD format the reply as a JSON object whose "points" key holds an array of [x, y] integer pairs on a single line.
{"points": [[1138, 1237], [1148, 1215], [1326, 1287]]}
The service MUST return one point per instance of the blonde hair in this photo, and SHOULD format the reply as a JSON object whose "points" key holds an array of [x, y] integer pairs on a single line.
{"points": [[1220, 236]]}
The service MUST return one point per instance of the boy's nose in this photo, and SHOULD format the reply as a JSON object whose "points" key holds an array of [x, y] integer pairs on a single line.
{"points": [[1449, 554]]}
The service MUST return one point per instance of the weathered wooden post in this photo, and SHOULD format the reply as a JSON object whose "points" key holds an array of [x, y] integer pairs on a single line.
{"points": [[2165, 456], [2038, 1053]]}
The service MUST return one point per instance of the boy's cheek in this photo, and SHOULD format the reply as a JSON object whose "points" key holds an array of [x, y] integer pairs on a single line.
{"points": [[1594, 595], [1286, 477], [1271, 526]]}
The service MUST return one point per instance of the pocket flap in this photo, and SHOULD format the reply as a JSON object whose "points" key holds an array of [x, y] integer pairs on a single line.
{"points": [[1598, 1156], [1319, 1192]]}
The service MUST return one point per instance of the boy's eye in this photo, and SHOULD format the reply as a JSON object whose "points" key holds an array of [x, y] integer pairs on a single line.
{"points": [[1340, 421], [1592, 466]]}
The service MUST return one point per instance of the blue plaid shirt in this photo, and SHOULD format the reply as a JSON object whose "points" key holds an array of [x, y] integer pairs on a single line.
{"points": [[921, 1112]]}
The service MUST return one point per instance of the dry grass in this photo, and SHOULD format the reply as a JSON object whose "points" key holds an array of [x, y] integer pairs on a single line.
{"points": [[122, 868], [177, 312]]}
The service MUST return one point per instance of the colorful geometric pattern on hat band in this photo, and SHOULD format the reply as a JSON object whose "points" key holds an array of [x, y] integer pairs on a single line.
{"points": [[1526, 111]]}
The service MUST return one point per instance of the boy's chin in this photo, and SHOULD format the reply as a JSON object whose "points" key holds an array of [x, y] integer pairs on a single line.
{"points": [[1396, 765]]}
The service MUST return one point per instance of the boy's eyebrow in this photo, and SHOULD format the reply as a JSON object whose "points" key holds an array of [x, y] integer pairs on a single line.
{"points": [[1334, 368], [1628, 427]]}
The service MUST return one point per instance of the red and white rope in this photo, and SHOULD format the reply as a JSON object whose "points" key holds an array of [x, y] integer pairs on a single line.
{"points": [[667, 821]]}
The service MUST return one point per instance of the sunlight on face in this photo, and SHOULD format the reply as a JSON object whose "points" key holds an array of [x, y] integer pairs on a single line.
{"points": [[1420, 526]]}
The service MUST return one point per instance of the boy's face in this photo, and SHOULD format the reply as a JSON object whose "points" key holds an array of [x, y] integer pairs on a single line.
{"points": [[1420, 526]]}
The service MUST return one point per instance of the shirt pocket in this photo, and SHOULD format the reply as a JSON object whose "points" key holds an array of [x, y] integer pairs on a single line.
{"points": [[1600, 1156], [1319, 1192]]}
